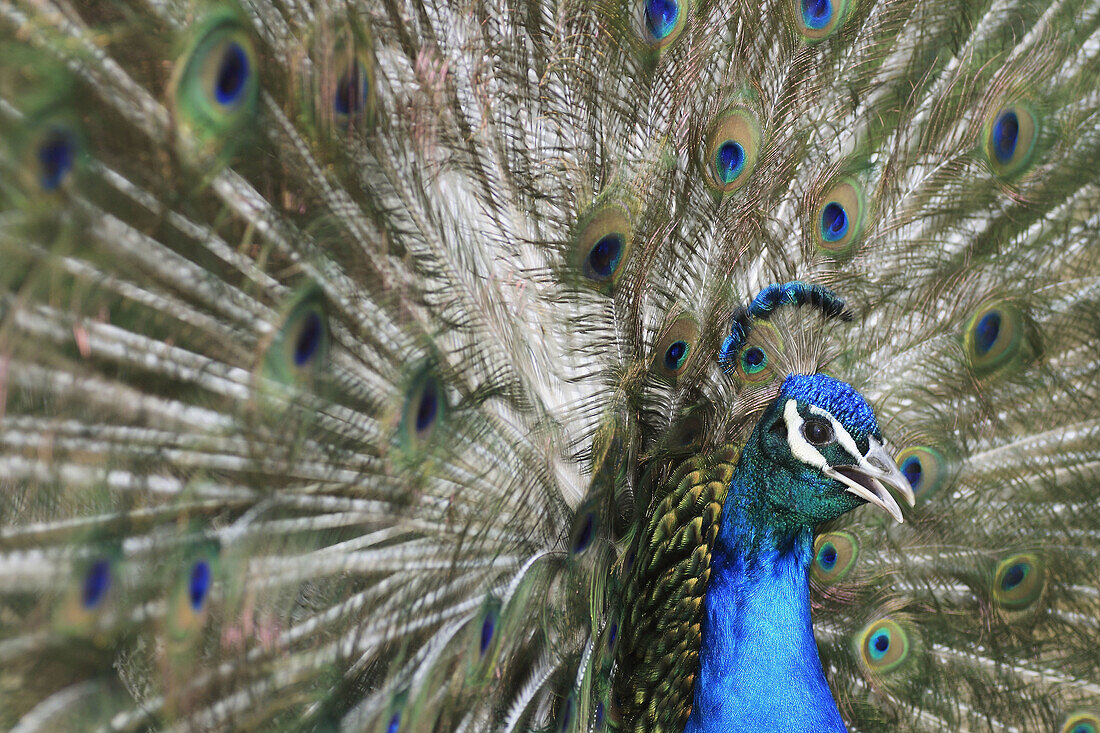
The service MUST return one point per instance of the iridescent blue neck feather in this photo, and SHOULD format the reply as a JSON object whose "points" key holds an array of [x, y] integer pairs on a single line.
{"points": [[759, 666]]}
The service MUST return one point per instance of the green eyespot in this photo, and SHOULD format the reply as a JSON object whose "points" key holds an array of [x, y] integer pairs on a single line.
{"points": [[731, 148], [816, 20], [676, 347], [924, 468], [92, 590], [1011, 137], [425, 410], [189, 602], [663, 21], [215, 88], [755, 360], [300, 347], [1018, 581], [835, 555], [603, 247], [839, 219], [883, 646], [995, 337]]}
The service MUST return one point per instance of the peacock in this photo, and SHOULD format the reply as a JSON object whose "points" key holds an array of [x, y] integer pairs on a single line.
{"points": [[423, 366]]}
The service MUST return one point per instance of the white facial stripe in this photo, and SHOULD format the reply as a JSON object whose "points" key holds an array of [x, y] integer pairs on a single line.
{"points": [[842, 436], [800, 447]]}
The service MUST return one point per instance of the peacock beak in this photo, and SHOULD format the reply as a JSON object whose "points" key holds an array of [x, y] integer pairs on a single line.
{"points": [[868, 480]]}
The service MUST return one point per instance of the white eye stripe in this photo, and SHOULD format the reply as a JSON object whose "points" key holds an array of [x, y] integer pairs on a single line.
{"points": [[842, 436], [800, 447]]}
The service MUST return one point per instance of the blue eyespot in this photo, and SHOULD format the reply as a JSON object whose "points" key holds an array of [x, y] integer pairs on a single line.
{"points": [[487, 628], [834, 222], [884, 646], [912, 471], [351, 90], [612, 634], [604, 257], [233, 73], [200, 583], [395, 723], [1018, 582], [880, 644], [96, 583], [835, 554], [730, 160], [309, 339], [816, 13], [1014, 575], [755, 359], [986, 332], [675, 355], [56, 156], [599, 715], [1006, 131], [428, 408], [661, 17], [584, 532], [1084, 728]]}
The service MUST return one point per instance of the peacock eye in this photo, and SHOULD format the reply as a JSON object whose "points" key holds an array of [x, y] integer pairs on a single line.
{"points": [[818, 432]]}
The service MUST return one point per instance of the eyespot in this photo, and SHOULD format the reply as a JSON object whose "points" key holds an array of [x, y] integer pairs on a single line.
{"points": [[200, 584], [754, 362], [1011, 138], [307, 341], [93, 588], [994, 337], [731, 149], [189, 601], [56, 154], [603, 247], [835, 555], [840, 219], [1018, 581], [675, 347], [664, 20], [300, 347], [394, 724], [924, 468], [425, 408], [97, 581], [215, 88], [817, 432], [584, 530], [1081, 722], [884, 645], [353, 89], [819, 19]]}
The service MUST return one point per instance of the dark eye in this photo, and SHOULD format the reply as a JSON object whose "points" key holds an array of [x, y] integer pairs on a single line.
{"points": [[818, 432]]}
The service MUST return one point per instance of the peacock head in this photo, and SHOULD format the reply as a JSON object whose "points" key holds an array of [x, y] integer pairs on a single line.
{"points": [[819, 452]]}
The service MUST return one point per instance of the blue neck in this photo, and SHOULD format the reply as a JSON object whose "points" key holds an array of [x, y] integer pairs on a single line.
{"points": [[758, 663]]}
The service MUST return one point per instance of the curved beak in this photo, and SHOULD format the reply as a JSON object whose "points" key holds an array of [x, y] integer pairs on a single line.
{"points": [[868, 479]]}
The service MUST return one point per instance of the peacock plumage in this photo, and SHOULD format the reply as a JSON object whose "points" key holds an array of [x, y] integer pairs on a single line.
{"points": [[498, 365]]}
